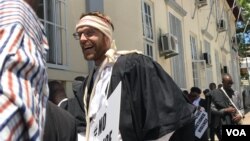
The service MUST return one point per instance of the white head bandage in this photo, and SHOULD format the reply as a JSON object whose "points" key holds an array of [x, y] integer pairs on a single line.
{"points": [[97, 23]]}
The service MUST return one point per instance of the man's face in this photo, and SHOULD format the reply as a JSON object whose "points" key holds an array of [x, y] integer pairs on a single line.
{"points": [[194, 95], [94, 43], [227, 83]]}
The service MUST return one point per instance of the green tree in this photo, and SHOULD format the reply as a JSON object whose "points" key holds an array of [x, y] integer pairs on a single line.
{"points": [[245, 4], [245, 28], [241, 32]]}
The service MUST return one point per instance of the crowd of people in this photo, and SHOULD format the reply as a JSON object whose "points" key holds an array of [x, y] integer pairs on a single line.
{"points": [[152, 106], [223, 106]]}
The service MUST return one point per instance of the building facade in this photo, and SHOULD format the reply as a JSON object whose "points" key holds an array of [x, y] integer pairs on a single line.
{"points": [[190, 39]]}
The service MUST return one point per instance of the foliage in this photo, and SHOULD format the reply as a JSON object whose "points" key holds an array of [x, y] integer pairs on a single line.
{"points": [[243, 28], [245, 4]]}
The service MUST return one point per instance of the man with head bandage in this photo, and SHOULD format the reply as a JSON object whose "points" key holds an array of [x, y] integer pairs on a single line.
{"points": [[150, 100], [99, 23]]}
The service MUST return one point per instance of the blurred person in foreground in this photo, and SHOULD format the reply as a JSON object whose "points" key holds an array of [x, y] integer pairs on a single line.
{"points": [[152, 107], [60, 125], [23, 76]]}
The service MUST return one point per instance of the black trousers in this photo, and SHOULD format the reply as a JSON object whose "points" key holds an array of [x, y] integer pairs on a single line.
{"points": [[186, 133], [215, 131]]}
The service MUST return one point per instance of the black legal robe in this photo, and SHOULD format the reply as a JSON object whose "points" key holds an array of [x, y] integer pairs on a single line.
{"points": [[152, 105]]}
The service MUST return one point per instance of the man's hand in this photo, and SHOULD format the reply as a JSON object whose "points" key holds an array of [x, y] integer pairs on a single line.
{"points": [[237, 118]]}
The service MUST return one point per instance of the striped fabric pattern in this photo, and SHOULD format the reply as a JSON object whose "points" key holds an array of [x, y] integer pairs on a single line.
{"points": [[23, 76]]}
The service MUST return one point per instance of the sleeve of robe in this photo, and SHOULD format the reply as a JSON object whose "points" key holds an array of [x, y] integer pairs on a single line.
{"points": [[152, 105]]}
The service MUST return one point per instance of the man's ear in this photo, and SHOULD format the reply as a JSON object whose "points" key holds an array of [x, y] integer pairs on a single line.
{"points": [[107, 41]]}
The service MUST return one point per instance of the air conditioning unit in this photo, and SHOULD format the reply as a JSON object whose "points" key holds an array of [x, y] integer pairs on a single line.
{"points": [[201, 3], [169, 45], [207, 58], [221, 25]]}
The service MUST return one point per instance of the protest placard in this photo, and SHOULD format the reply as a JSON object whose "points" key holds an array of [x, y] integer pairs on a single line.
{"points": [[201, 123], [105, 126]]}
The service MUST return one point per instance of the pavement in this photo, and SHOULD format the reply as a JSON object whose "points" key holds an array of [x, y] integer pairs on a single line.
{"points": [[246, 120]]}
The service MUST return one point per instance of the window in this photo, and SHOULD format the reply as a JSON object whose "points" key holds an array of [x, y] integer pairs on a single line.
{"points": [[194, 48], [209, 71], [197, 64], [149, 50], [147, 23], [235, 70], [178, 63], [53, 15], [220, 11], [218, 67]]}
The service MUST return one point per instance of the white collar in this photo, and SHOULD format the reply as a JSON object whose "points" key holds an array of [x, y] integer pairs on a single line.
{"points": [[59, 104]]}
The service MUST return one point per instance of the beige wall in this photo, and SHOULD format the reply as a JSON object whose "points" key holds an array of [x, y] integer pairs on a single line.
{"points": [[161, 24], [128, 25], [126, 17]]}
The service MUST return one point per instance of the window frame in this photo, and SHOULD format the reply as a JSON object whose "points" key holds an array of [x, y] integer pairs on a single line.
{"points": [[55, 26], [198, 65], [209, 70], [149, 39], [178, 65]]}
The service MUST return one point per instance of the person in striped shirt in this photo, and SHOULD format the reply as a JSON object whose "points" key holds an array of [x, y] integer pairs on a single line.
{"points": [[23, 76]]}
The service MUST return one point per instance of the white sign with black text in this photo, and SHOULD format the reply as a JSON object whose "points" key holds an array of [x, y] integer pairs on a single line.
{"points": [[106, 123], [201, 123]]}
